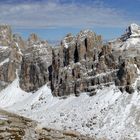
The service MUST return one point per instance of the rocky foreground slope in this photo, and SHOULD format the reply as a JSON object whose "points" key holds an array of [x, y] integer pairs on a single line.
{"points": [[82, 63], [19, 128]]}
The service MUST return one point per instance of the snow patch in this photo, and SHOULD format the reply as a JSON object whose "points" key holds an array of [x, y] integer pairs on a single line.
{"points": [[131, 43], [135, 30], [4, 47], [5, 61], [65, 44], [12, 94]]}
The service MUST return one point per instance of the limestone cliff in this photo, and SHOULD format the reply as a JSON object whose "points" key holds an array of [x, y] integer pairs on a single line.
{"points": [[82, 63], [10, 56], [29, 60], [34, 66]]}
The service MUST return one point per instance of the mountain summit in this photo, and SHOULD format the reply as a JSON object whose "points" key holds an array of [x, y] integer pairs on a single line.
{"points": [[134, 30]]}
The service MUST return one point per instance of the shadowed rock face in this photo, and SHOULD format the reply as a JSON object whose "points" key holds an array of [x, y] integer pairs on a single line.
{"points": [[10, 56], [34, 67], [28, 59], [34, 73], [77, 63], [126, 76], [83, 64]]}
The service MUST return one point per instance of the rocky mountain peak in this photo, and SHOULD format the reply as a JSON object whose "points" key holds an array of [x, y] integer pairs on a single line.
{"points": [[19, 41], [33, 38], [135, 30], [84, 61], [28, 60], [81, 64], [68, 40], [5, 35], [37, 58], [85, 33], [10, 55], [129, 40]]}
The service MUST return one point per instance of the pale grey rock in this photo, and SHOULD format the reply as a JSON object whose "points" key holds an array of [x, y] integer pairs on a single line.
{"points": [[35, 64], [83, 61]]}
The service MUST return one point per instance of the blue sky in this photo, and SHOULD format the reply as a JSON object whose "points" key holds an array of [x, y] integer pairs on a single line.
{"points": [[53, 19]]}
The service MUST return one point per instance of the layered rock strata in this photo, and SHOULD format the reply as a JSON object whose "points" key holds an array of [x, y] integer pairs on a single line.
{"points": [[29, 60], [34, 67], [84, 64], [10, 56]]}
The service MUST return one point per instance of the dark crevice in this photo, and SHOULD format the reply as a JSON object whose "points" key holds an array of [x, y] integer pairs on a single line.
{"points": [[73, 74], [75, 88], [57, 76], [76, 55], [121, 72], [86, 44], [66, 76], [50, 72], [45, 78], [85, 56], [61, 81], [66, 58], [78, 75]]}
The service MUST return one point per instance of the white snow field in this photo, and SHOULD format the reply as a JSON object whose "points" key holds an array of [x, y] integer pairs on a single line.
{"points": [[109, 114]]}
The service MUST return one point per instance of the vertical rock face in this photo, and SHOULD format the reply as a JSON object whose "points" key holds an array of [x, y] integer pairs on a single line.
{"points": [[33, 39], [33, 73], [10, 56], [34, 67], [77, 62], [19, 41], [5, 35], [27, 59], [126, 75], [83, 64]]}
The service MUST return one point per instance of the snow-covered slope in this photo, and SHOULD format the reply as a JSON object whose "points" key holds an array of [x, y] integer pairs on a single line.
{"points": [[109, 113], [130, 39], [12, 94], [131, 43], [134, 39], [135, 30]]}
